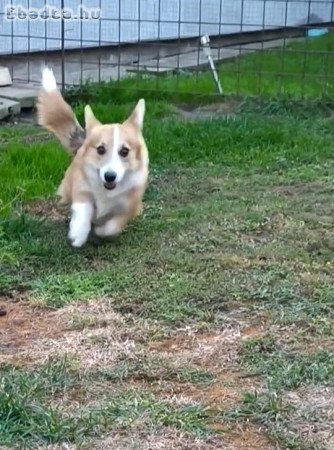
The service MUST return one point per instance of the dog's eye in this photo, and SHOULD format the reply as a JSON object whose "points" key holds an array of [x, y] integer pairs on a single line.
{"points": [[124, 152], [101, 150]]}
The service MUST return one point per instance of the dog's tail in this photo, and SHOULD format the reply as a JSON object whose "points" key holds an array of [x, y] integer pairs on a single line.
{"points": [[54, 114]]}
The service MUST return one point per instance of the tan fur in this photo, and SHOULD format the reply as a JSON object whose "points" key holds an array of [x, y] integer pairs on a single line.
{"points": [[56, 115], [108, 211]]}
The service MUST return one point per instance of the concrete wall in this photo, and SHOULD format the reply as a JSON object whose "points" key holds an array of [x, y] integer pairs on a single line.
{"points": [[159, 19]]}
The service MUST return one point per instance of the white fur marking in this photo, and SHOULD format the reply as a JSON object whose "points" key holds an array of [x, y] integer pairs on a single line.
{"points": [[115, 163], [116, 138], [80, 225], [48, 80], [111, 228], [137, 179]]}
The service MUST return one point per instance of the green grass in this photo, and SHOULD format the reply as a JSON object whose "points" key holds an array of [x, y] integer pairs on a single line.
{"points": [[270, 413], [284, 369], [25, 415], [236, 233], [301, 69], [248, 142], [28, 417], [21, 167]]}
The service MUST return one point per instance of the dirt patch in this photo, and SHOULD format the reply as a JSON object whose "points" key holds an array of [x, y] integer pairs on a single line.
{"points": [[304, 339], [24, 324], [313, 415], [15, 294], [37, 138], [166, 439], [91, 332], [99, 338], [255, 331], [216, 352], [300, 189], [226, 392], [48, 209], [209, 350], [213, 111], [248, 437]]}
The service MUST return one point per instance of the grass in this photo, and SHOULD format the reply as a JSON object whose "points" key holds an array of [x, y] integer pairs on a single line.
{"points": [[25, 416], [240, 144], [288, 370], [301, 69], [152, 369], [211, 313], [28, 418]]}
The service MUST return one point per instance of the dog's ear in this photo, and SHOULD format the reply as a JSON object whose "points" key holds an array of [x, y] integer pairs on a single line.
{"points": [[137, 116], [90, 120]]}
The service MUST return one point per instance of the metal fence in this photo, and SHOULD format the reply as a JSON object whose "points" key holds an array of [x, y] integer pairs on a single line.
{"points": [[254, 45]]}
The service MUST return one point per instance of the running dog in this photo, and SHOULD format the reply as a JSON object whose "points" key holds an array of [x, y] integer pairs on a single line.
{"points": [[108, 174]]}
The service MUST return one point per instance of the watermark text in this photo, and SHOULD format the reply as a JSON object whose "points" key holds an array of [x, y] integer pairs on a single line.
{"points": [[47, 12]]}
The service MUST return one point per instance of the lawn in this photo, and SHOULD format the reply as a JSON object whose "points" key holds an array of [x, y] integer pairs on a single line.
{"points": [[208, 324], [300, 69]]}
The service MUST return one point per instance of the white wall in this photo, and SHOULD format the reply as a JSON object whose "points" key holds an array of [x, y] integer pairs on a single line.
{"points": [[121, 24]]}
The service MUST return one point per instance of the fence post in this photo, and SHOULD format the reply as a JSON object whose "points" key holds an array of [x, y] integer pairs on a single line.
{"points": [[62, 47]]}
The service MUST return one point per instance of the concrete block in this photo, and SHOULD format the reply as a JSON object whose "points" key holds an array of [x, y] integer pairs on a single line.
{"points": [[5, 78], [24, 94], [9, 108]]}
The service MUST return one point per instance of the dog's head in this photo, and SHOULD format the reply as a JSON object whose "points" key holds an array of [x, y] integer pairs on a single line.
{"points": [[110, 150], [114, 149]]}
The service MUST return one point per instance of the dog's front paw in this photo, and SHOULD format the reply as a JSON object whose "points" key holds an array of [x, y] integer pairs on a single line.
{"points": [[110, 229], [78, 236], [80, 224], [77, 242]]}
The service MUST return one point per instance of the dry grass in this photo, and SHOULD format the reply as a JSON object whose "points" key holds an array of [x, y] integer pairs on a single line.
{"points": [[313, 415], [96, 339], [208, 324]]}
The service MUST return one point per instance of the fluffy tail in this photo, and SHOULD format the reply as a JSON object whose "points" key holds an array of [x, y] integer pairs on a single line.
{"points": [[54, 114]]}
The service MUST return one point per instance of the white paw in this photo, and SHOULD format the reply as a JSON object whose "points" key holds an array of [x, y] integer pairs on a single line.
{"points": [[78, 241], [80, 224], [78, 233], [110, 229], [78, 238]]}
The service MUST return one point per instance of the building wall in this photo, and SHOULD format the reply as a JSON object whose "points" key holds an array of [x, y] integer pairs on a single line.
{"points": [[140, 20]]}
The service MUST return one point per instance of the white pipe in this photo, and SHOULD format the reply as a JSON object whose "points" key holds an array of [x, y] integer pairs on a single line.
{"points": [[205, 41]]}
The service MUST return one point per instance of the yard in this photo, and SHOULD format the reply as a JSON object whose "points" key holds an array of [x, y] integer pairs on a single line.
{"points": [[209, 323]]}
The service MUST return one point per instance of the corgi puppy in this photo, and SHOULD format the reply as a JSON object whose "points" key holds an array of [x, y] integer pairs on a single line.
{"points": [[107, 177]]}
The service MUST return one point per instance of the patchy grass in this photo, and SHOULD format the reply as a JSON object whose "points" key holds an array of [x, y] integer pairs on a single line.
{"points": [[27, 414], [206, 322], [288, 370], [150, 369]]}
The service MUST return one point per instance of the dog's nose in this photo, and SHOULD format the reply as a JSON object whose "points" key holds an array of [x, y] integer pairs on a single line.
{"points": [[110, 177]]}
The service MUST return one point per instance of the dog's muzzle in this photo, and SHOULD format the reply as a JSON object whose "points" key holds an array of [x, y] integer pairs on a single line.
{"points": [[110, 180]]}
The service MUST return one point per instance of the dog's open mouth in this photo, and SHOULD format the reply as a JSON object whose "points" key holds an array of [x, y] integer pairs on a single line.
{"points": [[110, 185]]}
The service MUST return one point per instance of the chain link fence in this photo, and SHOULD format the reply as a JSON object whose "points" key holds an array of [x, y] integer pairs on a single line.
{"points": [[195, 46]]}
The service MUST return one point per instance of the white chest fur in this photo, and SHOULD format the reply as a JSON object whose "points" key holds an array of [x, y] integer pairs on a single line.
{"points": [[116, 201]]}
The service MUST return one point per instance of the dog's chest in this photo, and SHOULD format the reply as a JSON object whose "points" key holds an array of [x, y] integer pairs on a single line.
{"points": [[107, 204], [118, 201]]}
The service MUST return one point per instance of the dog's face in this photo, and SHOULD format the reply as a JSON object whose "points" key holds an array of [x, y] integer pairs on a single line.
{"points": [[116, 149]]}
